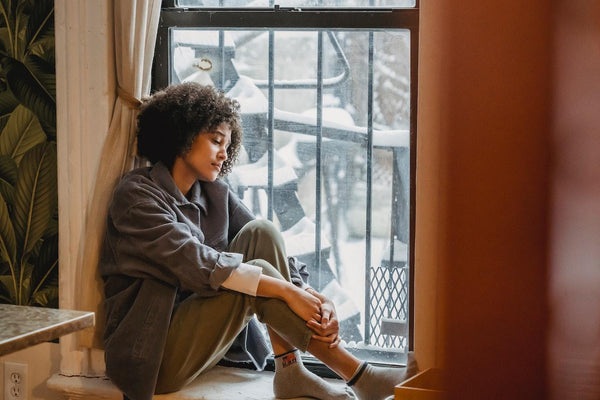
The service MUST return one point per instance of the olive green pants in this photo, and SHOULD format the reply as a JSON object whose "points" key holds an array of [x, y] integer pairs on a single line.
{"points": [[203, 328]]}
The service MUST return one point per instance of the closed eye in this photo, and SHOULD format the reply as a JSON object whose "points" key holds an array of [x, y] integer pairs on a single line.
{"points": [[219, 142], [220, 139]]}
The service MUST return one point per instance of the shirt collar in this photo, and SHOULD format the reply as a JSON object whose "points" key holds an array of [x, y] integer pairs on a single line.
{"points": [[161, 175]]}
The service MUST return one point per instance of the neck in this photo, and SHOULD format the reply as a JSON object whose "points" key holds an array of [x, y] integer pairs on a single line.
{"points": [[183, 177]]}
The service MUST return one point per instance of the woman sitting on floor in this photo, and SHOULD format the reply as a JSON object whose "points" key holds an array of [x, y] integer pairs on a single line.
{"points": [[186, 267]]}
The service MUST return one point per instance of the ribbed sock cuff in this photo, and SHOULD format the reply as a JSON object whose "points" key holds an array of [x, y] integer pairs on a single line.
{"points": [[357, 374], [286, 353]]}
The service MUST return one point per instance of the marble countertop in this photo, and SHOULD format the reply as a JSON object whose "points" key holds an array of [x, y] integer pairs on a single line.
{"points": [[21, 326]]}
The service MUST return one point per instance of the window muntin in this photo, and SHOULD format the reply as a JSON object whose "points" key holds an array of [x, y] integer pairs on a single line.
{"points": [[348, 124]]}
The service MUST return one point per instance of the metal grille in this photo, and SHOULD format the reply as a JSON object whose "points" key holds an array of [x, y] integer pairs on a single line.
{"points": [[389, 300]]}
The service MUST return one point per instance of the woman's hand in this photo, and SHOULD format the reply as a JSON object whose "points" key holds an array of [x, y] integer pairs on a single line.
{"points": [[303, 303], [327, 330]]}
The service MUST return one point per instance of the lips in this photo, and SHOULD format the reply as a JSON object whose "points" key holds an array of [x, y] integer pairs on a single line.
{"points": [[217, 166]]}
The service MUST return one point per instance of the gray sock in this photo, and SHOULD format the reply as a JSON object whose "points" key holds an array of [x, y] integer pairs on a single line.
{"points": [[292, 380], [376, 383]]}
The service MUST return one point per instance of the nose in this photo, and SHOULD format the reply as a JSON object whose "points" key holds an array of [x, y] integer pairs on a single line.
{"points": [[222, 154]]}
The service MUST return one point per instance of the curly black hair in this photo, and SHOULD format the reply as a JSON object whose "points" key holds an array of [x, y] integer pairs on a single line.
{"points": [[170, 120]]}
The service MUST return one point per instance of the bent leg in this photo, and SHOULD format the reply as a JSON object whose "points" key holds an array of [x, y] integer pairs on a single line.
{"points": [[201, 332], [277, 315], [291, 379], [203, 329], [261, 240]]}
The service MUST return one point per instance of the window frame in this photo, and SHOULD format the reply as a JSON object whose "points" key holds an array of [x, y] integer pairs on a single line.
{"points": [[282, 18]]}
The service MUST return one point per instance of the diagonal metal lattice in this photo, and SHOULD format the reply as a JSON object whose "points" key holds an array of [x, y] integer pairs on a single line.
{"points": [[389, 299]]}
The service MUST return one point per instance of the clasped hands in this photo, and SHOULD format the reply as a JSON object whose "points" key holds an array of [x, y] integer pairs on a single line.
{"points": [[319, 313]]}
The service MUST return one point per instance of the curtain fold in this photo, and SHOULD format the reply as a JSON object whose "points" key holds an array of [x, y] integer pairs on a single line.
{"points": [[135, 28]]}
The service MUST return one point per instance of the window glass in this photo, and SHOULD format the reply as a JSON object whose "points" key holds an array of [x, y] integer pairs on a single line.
{"points": [[323, 176]]}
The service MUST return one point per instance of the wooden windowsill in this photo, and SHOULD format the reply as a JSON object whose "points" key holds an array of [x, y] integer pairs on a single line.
{"points": [[220, 383]]}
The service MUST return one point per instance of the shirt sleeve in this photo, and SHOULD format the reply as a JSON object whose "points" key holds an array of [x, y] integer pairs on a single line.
{"points": [[150, 232], [298, 273], [244, 279]]}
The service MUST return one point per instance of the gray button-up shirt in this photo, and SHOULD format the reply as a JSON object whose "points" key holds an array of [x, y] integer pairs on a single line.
{"points": [[156, 232], [159, 243]]}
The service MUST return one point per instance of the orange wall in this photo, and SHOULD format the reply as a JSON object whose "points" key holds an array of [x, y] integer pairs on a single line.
{"points": [[485, 99], [428, 314], [508, 198], [574, 335]]}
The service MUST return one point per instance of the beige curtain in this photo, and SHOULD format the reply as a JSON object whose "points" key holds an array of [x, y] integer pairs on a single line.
{"points": [[135, 27]]}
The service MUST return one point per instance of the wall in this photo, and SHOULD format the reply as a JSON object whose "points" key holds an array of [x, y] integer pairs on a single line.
{"points": [[508, 142], [42, 362], [86, 89], [491, 120], [28, 193], [429, 322], [574, 351]]}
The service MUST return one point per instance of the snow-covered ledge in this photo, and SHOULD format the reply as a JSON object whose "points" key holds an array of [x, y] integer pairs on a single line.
{"points": [[85, 96]]}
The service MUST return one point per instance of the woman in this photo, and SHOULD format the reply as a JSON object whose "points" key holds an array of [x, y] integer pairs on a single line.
{"points": [[186, 266]]}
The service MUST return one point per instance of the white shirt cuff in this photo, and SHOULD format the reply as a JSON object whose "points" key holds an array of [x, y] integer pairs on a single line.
{"points": [[244, 279]]}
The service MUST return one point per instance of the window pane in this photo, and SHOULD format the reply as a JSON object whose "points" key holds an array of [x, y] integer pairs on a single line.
{"points": [[371, 295], [298, 3]]}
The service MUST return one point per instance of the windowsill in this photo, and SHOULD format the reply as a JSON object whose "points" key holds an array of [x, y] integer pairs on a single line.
{"points": [[220, 383]]}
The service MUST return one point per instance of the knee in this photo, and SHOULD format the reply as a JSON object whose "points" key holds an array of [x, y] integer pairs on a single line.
{"points": [[263, 227], [267, 268]]}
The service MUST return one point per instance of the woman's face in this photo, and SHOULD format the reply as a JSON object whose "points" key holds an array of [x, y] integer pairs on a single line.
{"points": [[209, 151]]}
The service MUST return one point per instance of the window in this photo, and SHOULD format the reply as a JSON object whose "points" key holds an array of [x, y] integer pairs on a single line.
{"points": [[328, 98]]}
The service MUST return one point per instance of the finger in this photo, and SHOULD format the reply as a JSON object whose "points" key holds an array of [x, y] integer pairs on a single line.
{"points": [[335, 343], [318, 330], [311, 323], [328, 337], [334, 325], [328, 332], [315, 326], [325, 317], [333, 332], [313, 317], [325, 339], [318, 327]]}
